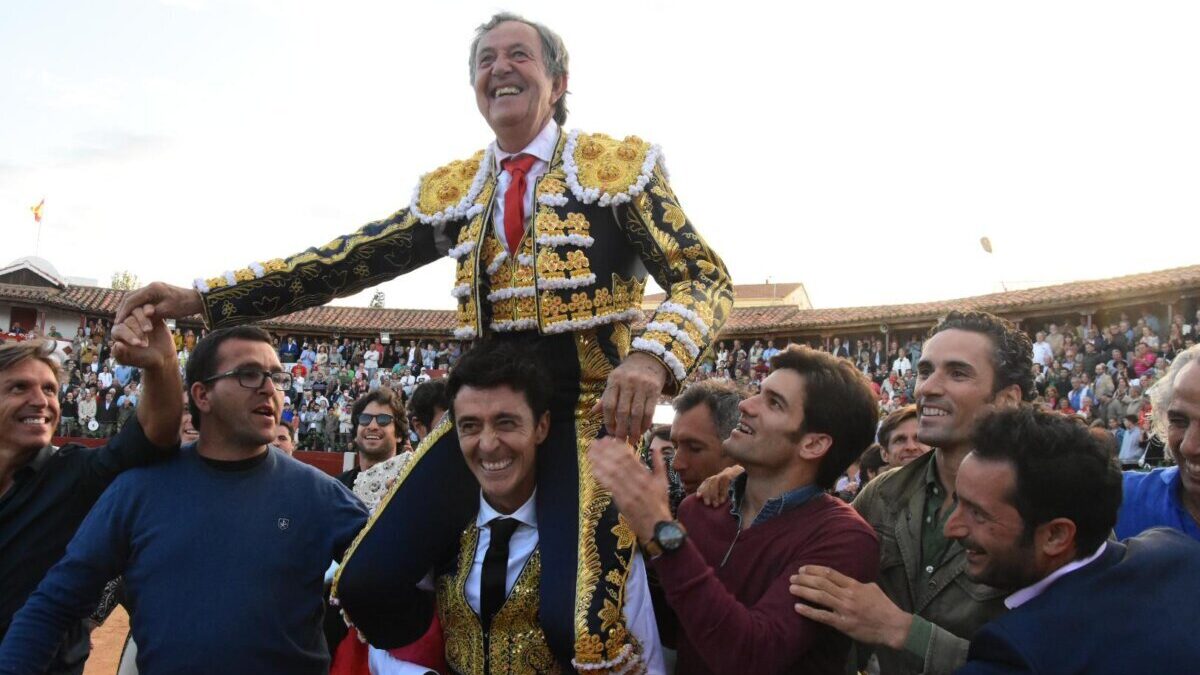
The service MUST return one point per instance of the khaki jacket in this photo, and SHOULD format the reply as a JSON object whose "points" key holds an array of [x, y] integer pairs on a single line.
{"points": [[894, 503]]}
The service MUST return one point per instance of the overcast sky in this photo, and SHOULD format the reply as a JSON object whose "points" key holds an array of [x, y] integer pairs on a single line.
{"points": [[861, 148]]}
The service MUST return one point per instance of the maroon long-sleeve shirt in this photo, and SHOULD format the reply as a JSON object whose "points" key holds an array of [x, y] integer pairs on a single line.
{"points": [[739, 617]]}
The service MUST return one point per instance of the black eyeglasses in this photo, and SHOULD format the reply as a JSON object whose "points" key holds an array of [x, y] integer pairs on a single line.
{"points": [[383, 419], [254, 379]]}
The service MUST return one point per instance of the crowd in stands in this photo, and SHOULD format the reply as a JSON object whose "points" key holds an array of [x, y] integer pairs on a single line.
{"points": [[1097, 374], [328, 375]]}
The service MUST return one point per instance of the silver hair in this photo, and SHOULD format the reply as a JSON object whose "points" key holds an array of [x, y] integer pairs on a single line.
{"points": [[554, 53], [722, 399], [1162, 391]]}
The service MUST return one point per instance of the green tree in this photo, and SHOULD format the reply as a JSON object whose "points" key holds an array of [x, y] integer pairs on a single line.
{"points": [[125, 281]]}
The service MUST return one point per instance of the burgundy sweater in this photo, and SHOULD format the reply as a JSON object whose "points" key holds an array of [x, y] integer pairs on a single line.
{"points": [[740, 617]]}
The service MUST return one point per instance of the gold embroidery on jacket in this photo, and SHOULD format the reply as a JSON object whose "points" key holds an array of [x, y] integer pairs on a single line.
{"points": [[517, 645]]}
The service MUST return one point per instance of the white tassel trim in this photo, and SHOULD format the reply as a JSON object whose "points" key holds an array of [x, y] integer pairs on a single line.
{"points": [[686, 313], [573, 282], [525, 259], [230, 278], [676, 333], [201, 285], [581, 240], [626, 660], [259, 270], [552, 200], [461, 291], [514, 292], [593, 195], [466, 207], [584, 324], [499, 260], [464, 333], [655, 347], [519, 324], [458, 252]]}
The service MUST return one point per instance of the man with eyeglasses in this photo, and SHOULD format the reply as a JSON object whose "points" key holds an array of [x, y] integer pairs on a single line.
{"points": [[223, 549], [379, 420]]}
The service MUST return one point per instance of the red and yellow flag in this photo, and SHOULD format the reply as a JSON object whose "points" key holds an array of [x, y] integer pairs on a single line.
{"points": [[37, 210]]}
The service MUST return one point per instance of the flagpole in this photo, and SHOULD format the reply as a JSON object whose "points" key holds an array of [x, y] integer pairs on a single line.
{"points": [[37, 246]]}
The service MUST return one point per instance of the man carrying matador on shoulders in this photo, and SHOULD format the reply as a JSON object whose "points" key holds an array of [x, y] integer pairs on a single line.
{"points": [[552, 233]]}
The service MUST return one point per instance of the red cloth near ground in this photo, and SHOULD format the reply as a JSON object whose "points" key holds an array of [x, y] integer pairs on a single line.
{"points": [[430, 651]]}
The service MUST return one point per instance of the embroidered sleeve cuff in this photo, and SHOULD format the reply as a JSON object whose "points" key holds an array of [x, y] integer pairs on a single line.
{"points": [[676, 369]]}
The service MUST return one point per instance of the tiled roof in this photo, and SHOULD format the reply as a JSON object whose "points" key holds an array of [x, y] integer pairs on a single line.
{"points": [[417, 322], [1072, 295], [749, 321]]}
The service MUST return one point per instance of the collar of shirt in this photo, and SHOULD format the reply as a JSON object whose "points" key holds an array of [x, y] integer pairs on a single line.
{"points": [[542, 147], [1030, 592], [526, 515], [43, 456], [774, 506]]}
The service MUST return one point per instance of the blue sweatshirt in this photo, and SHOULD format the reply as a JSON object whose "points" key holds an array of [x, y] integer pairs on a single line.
{"points": [[223, 567]]}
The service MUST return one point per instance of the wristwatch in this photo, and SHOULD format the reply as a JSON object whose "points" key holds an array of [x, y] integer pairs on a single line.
{"points": [[669, 536]]}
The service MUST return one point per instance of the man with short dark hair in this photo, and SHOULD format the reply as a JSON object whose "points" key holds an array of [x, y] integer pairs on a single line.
{"points": [[1037, 498], [490, 590], [223, 549], [921, 614], [283, 439], [705, 414], [725, 571], [45, 492], [427, 405]]}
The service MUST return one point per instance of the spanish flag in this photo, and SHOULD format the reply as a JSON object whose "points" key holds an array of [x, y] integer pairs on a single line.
{"points": [[37, 210]]}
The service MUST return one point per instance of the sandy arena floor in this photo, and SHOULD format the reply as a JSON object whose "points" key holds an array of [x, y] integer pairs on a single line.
{"points": [[107, 642]]}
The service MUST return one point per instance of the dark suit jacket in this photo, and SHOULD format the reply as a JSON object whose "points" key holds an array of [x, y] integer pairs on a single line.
{"points": [[1135, 609]]}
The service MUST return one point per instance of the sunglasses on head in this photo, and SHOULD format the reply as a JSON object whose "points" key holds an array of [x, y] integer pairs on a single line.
{"points": [[383, 419]]}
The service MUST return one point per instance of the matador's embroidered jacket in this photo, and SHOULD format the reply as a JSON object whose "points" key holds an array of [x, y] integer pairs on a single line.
{"points": [[605, 215]]}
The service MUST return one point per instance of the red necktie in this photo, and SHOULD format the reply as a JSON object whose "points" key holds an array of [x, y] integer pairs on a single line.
{"points": [[514, 198]]}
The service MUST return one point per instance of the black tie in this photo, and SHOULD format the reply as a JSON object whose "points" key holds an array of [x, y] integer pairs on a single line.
{"points": [[495, 570]]}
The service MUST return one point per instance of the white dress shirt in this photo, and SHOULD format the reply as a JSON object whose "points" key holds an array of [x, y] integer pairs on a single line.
{"points": [[1032, 591], [639, 612], [542, 147]]}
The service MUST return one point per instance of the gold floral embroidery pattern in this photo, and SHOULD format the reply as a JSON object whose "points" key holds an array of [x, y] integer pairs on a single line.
{"points": [[446, 186], [608, 164], [517, 645]]}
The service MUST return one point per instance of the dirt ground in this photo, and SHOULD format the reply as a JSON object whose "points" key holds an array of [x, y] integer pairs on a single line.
{"points": [[107, 642]]}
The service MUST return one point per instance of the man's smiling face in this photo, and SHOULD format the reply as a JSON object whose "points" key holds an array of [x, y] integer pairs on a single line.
{"points": [[28, 405], [514, 92]]}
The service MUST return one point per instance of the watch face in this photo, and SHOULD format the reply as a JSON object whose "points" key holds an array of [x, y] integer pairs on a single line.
{"points": [[670, 535]]}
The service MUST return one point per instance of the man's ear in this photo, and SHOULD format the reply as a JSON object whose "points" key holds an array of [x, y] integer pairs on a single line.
{"points": [[559, 89], [1008, 397], [1056, 537], [813, 446], [542, 429], [199, 394]]}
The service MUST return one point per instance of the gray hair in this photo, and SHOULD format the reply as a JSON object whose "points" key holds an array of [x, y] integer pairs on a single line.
{"points": [[1162, 391], [554, 53], [722, 399]]}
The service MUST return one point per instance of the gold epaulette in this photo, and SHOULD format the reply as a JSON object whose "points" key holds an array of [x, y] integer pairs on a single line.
{"points": [[449, 193], [604, 170]]}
